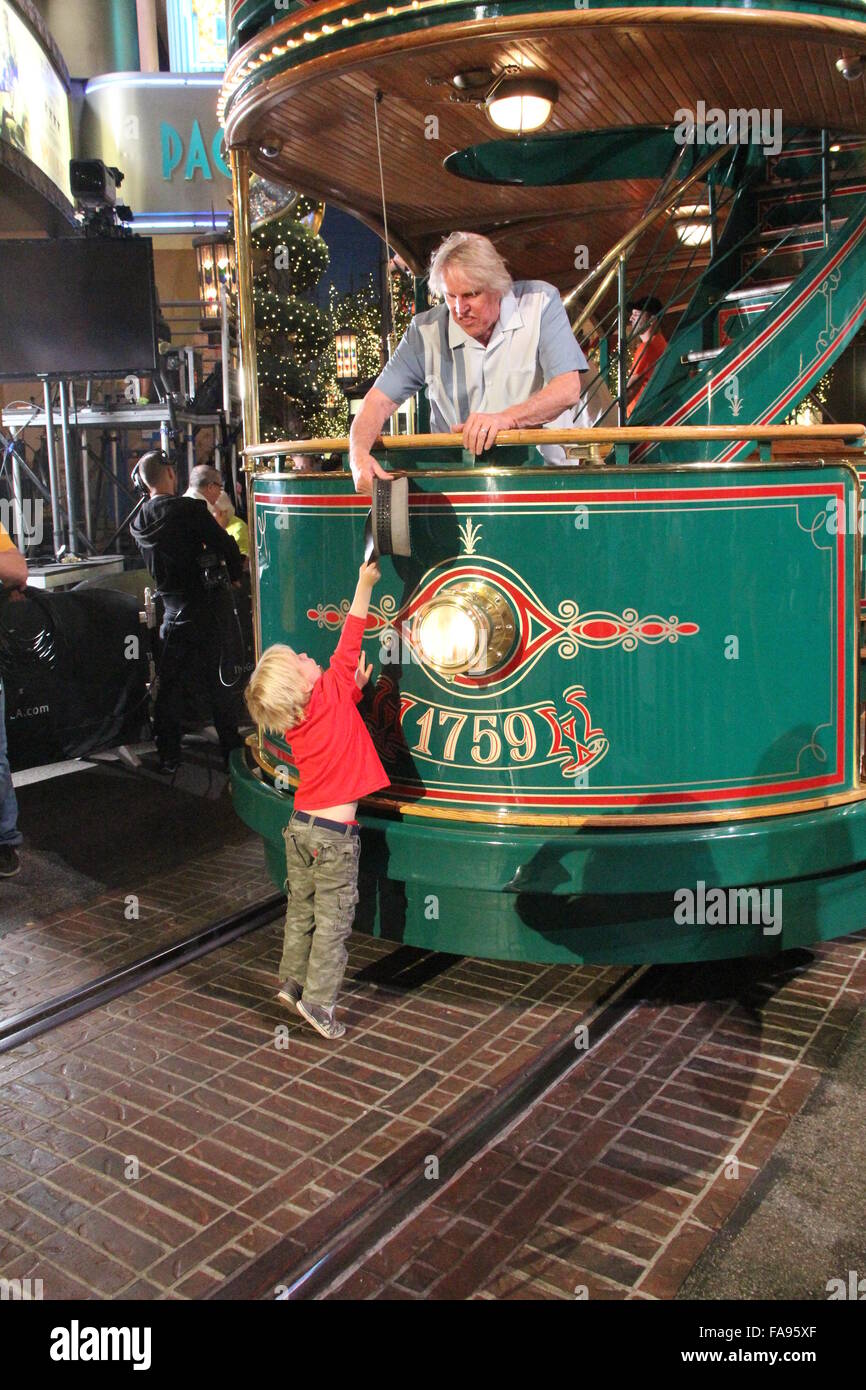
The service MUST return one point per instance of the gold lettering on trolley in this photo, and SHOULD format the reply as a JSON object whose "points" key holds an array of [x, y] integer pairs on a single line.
{"points": [[451, 741], [536, 735], [527, 740], [425, 724], [485, 728]]}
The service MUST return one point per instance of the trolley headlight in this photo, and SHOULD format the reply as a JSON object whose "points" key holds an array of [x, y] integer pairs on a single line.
{"points": [[468, 628]]}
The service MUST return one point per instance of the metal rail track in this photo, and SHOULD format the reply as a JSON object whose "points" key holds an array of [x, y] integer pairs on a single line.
{"points": [[278, 1274], [42, 1018]]}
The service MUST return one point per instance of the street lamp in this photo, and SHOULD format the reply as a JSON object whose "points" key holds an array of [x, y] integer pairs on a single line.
{"points": [[215, 261], [346, 346]]}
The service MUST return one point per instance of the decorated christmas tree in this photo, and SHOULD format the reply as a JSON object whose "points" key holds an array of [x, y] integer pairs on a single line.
{"points": [[402, 296], [358, 312], [294, 337]]}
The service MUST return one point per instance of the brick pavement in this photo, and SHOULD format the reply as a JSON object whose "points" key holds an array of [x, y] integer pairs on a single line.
{"points": [[57, 951], [156, 1146], [618, 1180]]}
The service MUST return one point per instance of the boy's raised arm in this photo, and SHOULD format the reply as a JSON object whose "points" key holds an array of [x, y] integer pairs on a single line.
{"points": [[368, 577], [344, 662]]}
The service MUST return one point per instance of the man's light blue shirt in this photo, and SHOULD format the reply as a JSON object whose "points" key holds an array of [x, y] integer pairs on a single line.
{"points": [[531, 344]]}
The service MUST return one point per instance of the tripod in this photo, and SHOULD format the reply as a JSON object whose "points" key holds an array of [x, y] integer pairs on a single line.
{"points": [[123, 525]]}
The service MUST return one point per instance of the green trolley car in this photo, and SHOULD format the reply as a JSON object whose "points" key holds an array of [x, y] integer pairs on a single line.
{"points": [[618, 698]]}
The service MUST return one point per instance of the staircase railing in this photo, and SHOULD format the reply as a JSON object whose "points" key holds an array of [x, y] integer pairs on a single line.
{"points": [[607, 266], [671, 195]]}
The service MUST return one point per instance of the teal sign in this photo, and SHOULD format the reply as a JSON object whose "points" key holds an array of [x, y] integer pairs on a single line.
{"points": [[195, 154], [161, 129]]}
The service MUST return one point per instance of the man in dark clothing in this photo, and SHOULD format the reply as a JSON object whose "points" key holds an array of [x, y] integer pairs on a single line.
{"points": [[183, 548]]}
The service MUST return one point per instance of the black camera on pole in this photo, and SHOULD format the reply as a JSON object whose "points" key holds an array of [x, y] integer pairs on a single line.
{"points": [[213, 572], [94, 187]]}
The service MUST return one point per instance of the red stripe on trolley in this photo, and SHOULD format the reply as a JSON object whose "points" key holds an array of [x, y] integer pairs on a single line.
{"points": [[422, 500], [576, 803], [541, 799]]}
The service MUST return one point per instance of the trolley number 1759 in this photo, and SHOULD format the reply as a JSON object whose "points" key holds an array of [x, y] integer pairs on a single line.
{"points": [[486, 740]]}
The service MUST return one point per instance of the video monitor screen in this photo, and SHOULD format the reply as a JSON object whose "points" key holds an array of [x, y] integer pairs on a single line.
{"points": [[77, 306]]}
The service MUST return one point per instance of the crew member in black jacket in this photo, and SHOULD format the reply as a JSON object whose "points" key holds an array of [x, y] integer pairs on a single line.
{"points": [[183, 548]]}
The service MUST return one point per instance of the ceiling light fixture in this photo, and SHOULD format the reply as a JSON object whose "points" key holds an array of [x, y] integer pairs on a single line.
{"points": [[521, 104], [514, 100], [694, 233], [851, 66], [693, 224]]}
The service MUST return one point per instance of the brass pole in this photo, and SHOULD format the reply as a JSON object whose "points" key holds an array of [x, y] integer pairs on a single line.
{"points": [[240, 162], [240, 166], [622, 341]]}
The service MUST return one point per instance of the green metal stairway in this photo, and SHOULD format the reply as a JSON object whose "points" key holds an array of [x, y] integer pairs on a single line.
{"points": [[783, 295]]}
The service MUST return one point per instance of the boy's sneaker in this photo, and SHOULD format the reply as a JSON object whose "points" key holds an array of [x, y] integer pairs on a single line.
{"points": [[10, 864], [321, 1019], [290, 993]]}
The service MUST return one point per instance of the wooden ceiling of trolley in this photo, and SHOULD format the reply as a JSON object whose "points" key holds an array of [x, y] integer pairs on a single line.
{"points": [[613, 68]]}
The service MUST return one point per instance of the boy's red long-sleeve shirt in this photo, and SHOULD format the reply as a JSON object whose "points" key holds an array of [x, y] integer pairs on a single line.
{"points": [[331, 747]]}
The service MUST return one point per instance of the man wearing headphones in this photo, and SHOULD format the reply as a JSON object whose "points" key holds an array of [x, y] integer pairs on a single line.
{"points": [[193, 562]]}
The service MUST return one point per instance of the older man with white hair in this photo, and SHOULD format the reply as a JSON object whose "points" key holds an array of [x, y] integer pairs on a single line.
{"points": [[499, 354], [205, 484]]}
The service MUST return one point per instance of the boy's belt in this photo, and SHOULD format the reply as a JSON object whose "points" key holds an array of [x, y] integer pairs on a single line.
{"points": [[342, 826]]}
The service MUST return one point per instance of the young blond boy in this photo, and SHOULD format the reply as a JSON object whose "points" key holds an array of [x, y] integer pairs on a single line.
{"points": [[337, 764]]}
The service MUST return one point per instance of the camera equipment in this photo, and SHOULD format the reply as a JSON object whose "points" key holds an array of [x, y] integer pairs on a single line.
{"points": [[94, 187], [213, 572], [165, 392], [180, 369], [94, 184], [169, 374]]}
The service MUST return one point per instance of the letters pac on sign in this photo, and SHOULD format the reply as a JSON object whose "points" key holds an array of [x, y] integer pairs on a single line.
{"points": [[196, 155]]}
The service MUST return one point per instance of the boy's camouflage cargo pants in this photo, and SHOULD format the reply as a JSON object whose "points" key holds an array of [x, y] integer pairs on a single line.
{"points": [[322, 888]]}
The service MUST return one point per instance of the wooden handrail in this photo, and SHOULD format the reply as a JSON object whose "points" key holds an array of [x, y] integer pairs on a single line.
{"points": [[629, 434]]}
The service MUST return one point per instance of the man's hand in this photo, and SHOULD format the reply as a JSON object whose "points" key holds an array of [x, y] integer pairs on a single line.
{"points": [[369, 574], [366, 429], [364, 468], [363, 673], [480, 430]]}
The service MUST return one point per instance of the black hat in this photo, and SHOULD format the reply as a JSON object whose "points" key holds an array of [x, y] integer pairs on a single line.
{"points": [[387, 528], [649, 305]]}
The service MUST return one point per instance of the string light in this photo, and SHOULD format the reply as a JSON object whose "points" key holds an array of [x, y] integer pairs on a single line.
{"points": [[292, 333], [358, 312], [246, 66]]}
